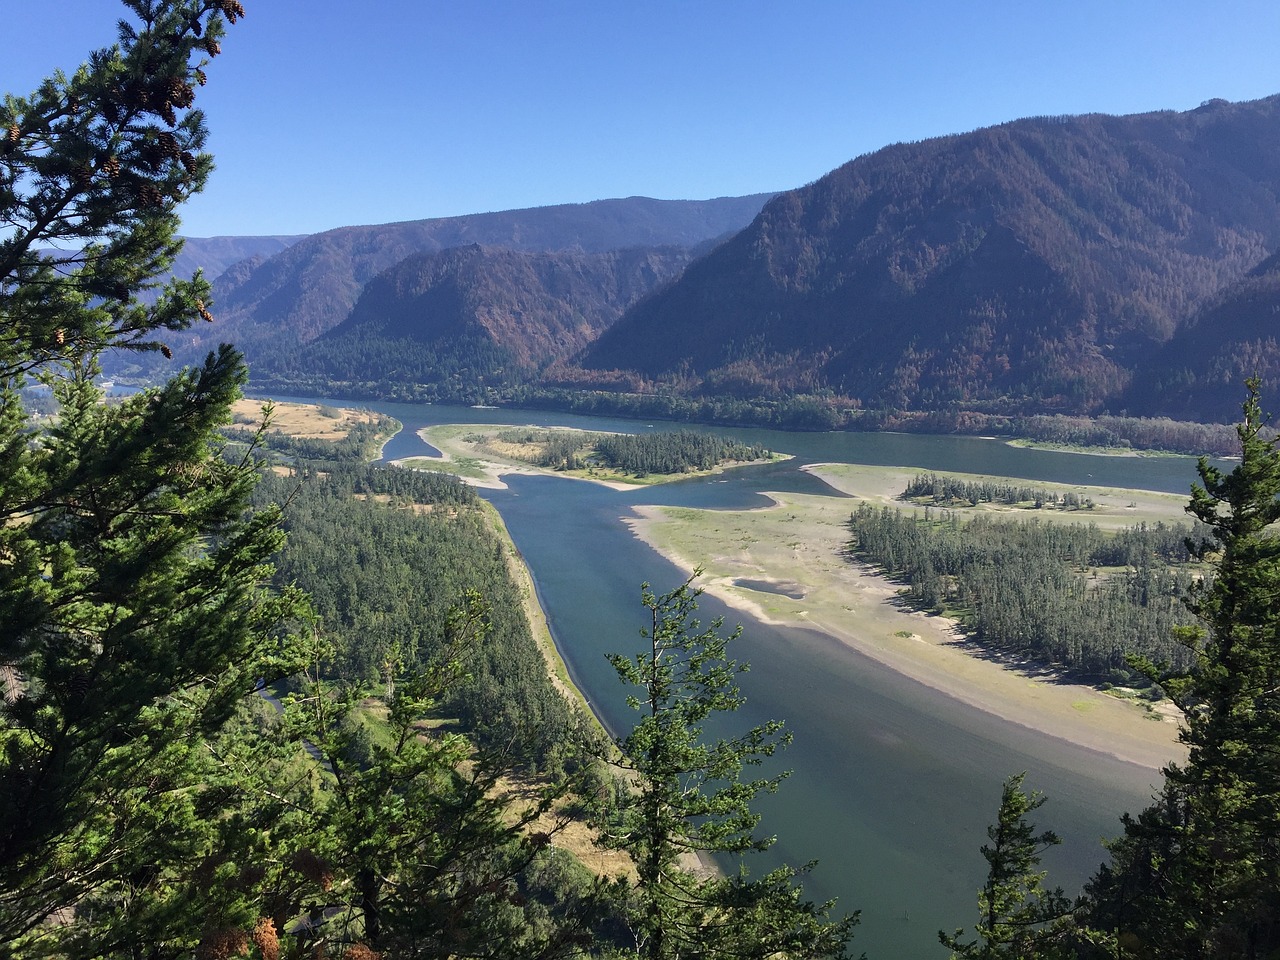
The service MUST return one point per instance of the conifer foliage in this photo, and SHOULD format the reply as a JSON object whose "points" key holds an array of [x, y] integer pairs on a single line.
{"points": [[1197, 874], [133, 618], [1015, 910], [690, 798]]}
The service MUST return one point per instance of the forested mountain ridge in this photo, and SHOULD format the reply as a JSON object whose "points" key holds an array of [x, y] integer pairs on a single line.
{"points": [[309, 288], [1029, 266], [470, 322], [540, 305]]}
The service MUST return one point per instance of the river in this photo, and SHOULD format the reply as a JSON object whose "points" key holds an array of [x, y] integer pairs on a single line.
{"points": [[893, 784]]}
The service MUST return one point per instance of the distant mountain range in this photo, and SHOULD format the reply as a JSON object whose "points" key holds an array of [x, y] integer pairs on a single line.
{"points": [[215, 255], [1075, 265]]}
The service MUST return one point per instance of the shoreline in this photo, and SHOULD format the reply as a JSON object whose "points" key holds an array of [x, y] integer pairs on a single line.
{"points": [[809, 583], [930, 650], [488, 470]]}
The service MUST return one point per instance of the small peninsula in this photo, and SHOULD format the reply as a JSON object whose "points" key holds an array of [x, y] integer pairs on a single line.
{"points": [[480, 454]]}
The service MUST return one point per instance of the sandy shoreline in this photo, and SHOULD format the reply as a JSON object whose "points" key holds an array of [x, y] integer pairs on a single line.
{"points": [[928, 649], [784, 565]]}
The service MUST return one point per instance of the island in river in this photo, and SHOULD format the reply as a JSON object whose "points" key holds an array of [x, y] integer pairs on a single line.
{"points": [[787, 564]]}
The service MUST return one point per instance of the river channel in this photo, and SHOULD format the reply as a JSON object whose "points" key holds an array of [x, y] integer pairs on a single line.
{"points": [[893, 783]]}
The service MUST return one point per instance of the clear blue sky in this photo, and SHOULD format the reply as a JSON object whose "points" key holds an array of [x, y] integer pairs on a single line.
{"points": [[325, 113]]}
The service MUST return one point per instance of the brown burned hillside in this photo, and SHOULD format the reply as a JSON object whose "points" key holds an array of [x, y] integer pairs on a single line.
{"points": [[539, 307], [306, 290], [1033, 265]]}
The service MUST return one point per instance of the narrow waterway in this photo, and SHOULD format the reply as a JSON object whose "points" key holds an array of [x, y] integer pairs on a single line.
{"points": [[893, 784]]}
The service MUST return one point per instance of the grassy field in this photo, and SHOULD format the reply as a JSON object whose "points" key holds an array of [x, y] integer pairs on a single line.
{"points": [[302, 420]]}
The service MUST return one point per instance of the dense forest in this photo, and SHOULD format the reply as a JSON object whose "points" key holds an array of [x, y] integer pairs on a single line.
{"points": [[639, 455], [1062, 593], [386, 555]]}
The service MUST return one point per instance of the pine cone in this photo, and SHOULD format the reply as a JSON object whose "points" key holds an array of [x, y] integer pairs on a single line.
{"points": [[178, 93], [15, 132], [111, 167], [188, 161], [149, 195], [231, 9], [169, 145], [223, 944], [212, 47], [200, 77]]}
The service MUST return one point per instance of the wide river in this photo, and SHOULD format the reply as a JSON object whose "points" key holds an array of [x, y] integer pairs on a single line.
{"points": [[893, 784]]}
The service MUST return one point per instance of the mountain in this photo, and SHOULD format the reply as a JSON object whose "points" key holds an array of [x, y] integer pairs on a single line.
{"points": [[1197, 374], [542, 306], [1032, 266], [214, 255], [470, 318], [300, 293]]}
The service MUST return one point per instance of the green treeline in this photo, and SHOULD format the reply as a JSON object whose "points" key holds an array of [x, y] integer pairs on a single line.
{"points": [[681, 452], [1034, 589], [480, 383], [557, 449], [952, 491], [386, 556]]}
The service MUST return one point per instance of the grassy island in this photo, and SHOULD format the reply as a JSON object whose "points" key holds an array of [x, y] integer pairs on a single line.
{"points": [[480, 453]]}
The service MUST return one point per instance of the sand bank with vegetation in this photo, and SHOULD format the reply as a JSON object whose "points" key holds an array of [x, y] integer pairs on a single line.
{"points": [[786, 564], [477, 454]]}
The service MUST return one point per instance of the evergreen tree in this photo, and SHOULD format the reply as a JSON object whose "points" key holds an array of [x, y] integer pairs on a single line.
{"points": [[1197, 874], [1019, 918], [417, 846], [689, 799], [133, 618]]}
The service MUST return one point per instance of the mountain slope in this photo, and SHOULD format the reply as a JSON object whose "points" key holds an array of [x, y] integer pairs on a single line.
{"points": [[1027, 266], [537, 307], [1199, 373], [214, 255], [311, 287], [470, 323]]}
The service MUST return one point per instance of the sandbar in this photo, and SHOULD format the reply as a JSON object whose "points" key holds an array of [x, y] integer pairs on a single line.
{"points": [[785, 564]]}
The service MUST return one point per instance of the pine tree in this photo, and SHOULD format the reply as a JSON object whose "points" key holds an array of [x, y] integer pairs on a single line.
{"points": [[1019, 918], [1197, 874], [417, 846], [133, 616], [689, 799]]}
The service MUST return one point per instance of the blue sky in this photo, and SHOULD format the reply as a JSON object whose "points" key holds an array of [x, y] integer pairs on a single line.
{"points": [[326, 113]]}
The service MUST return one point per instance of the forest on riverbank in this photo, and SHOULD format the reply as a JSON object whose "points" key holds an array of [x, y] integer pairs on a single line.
{"points": [[1065, 594]]}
